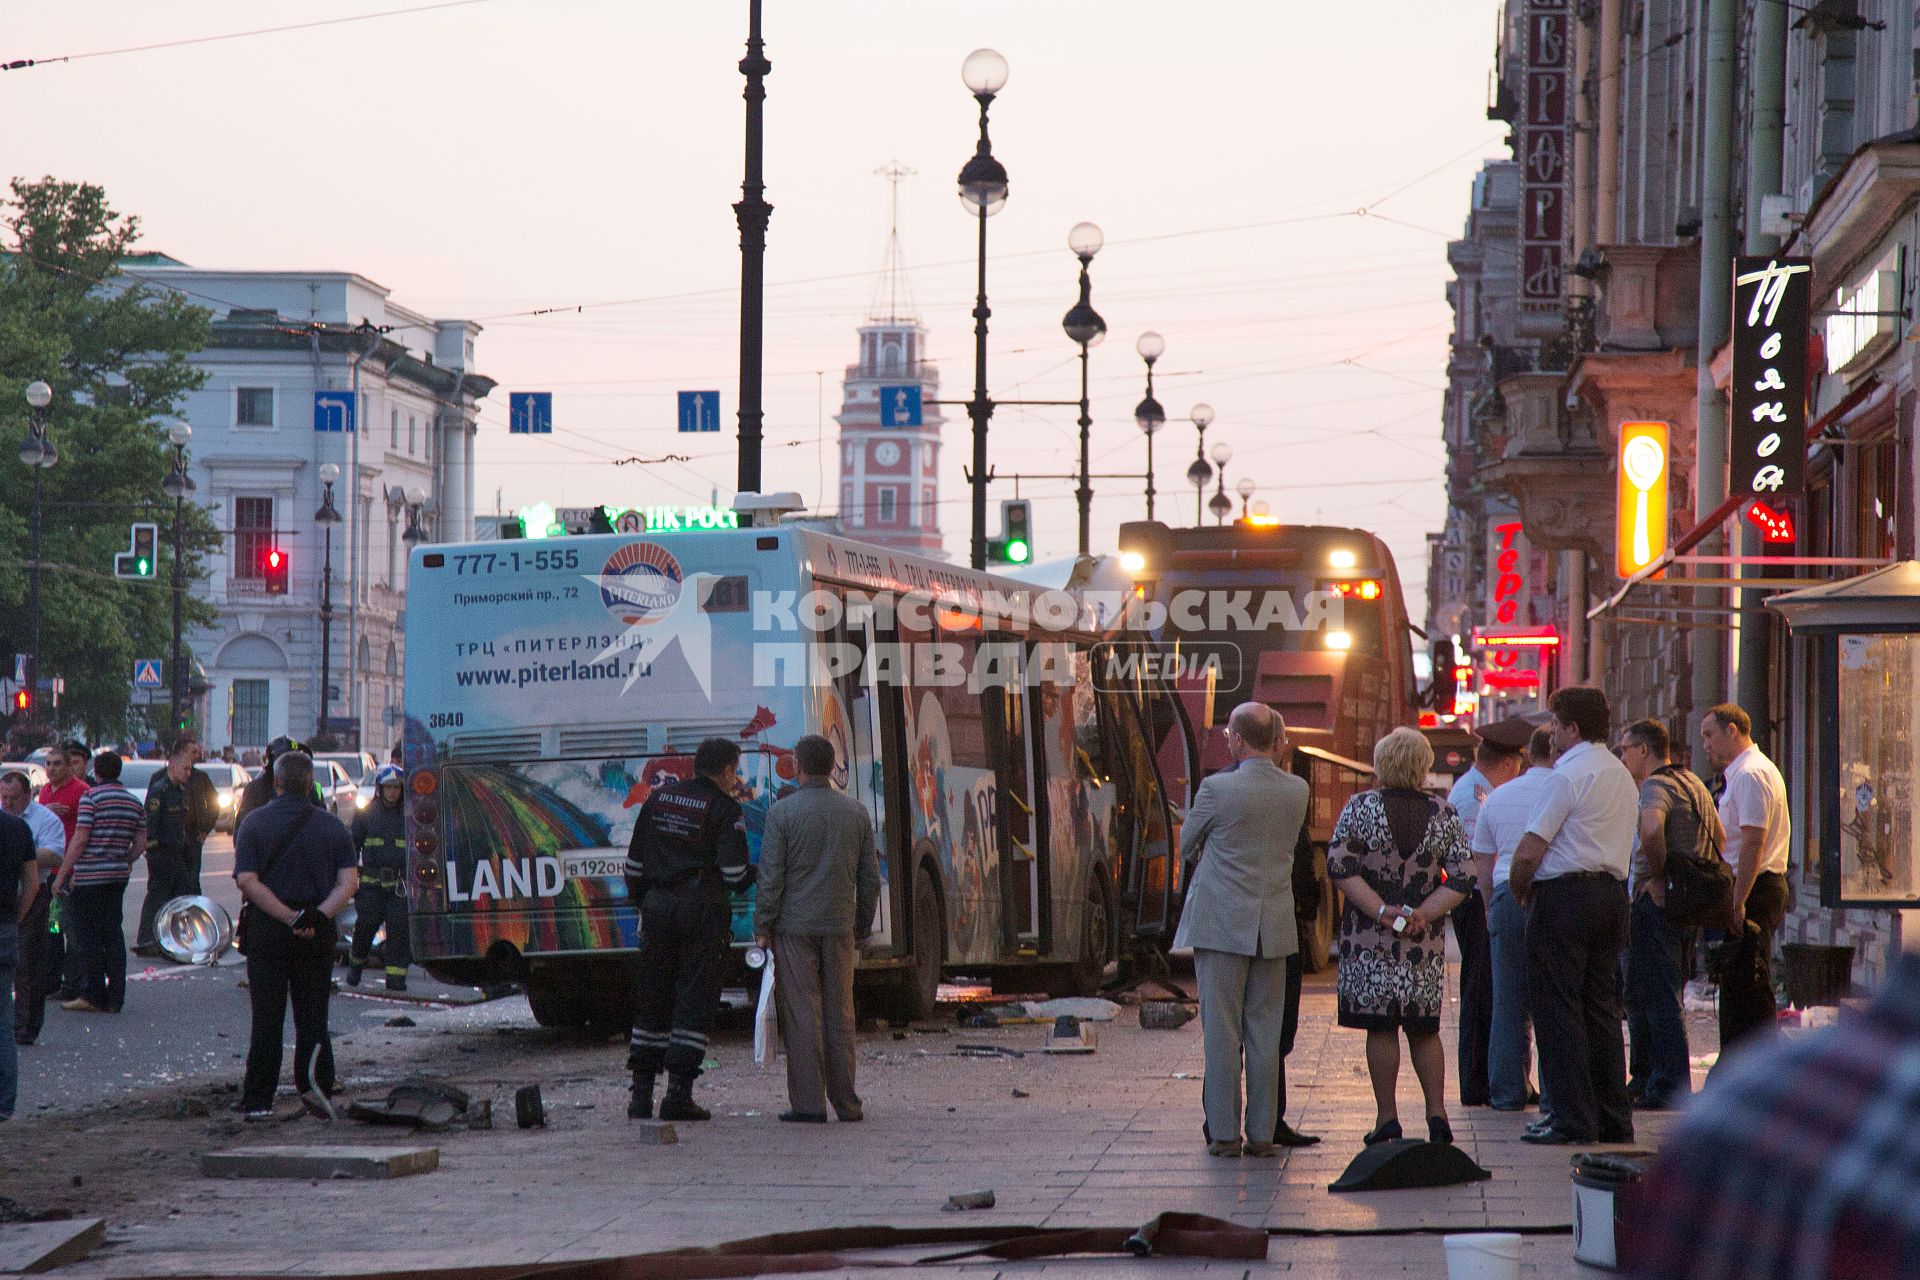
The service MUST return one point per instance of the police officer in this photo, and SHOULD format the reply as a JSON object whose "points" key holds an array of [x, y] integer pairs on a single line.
{"points": [[261, 790], [689, 849], [181, 809], [380, 834]]}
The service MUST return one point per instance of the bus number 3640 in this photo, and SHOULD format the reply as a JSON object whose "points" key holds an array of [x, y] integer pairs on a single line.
{"points": [[446, 719]]}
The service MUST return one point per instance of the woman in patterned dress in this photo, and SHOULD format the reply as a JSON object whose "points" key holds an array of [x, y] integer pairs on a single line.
{"points": [[1388, 852]]}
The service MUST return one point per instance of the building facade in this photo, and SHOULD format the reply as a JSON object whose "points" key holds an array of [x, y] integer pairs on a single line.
{"points": [[1621, 243], [890, 474], [295, 360]]}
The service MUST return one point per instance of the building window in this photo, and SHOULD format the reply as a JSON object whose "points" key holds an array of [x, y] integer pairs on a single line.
{"points": [[413, 424], [393, 431], [250, 713], [888, 502], [253, 406], [429, 441], [252, 535]]}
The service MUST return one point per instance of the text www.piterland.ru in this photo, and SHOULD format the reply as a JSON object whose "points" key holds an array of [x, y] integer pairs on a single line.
{"points": [[545, 673]]}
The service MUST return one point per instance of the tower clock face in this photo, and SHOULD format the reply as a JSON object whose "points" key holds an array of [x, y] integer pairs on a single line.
{"points": [[886, 453]]}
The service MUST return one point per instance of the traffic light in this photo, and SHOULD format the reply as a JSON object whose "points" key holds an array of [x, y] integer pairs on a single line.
{"points": [[1015, 543], [273, 570], [141, 559], [22, 701]]}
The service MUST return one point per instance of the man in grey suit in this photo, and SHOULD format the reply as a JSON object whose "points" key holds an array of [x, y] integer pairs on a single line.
{"points": [[1239, 921]]}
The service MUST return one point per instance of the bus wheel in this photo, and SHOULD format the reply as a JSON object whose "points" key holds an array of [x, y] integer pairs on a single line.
{"points": [[554, 995], [910, 993], [1086, 974]]}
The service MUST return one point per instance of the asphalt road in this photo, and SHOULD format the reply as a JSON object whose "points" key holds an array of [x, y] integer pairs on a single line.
{"points": [[181, 1023]]}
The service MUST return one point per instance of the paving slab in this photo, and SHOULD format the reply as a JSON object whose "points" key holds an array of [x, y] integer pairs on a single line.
{"points": [[324, 1163], [29, 1247]]}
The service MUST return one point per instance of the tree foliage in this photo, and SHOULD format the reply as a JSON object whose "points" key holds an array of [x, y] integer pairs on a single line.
{"points": [[115, 352]]}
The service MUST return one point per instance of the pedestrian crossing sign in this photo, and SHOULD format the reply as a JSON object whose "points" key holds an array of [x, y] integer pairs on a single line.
{"points": [[146, 673]]}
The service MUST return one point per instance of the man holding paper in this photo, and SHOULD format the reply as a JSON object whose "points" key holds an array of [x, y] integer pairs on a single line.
{"points": [[819, 886]]}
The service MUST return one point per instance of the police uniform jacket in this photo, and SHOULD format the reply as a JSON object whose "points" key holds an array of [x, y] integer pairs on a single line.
{"points": [[688, 831], [380, 834], [179, 815]]}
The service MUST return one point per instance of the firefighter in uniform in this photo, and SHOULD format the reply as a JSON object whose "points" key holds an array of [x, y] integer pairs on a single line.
{"points": [[689, 849], [380, 834], [260, 791]]}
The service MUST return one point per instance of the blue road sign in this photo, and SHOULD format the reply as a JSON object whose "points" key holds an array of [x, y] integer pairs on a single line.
{"points": [[900, 406], [530, 413], [333, 411], [699, 411], [146, 674]]}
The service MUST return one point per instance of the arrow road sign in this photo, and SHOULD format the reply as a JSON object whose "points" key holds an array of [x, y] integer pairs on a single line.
{"points": [[900, 406], [699, 411], [146, 674], [333, 411], [530, 413]]}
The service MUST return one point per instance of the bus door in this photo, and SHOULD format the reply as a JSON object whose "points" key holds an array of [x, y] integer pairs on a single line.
{"points": [[1151, 753], [873, 758], [1011, 744]]}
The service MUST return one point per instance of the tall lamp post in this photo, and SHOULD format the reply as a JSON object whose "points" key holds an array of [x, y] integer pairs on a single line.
{"points": [[1220, 504], [1085, 327], [38, 452], [1245, 490], [326, 517], [1200, 474], [1148, 415], [983, 190], [177, 486], [752, 213]]}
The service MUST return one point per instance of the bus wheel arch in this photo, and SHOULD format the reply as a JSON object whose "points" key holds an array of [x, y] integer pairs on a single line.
{"points": [[1099, 939]]}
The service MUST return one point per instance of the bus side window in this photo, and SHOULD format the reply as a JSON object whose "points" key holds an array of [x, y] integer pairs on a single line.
{"points": [[1092, 762]]}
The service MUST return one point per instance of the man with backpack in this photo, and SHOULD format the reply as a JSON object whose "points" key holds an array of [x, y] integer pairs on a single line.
{"points": [[1679, 844]]}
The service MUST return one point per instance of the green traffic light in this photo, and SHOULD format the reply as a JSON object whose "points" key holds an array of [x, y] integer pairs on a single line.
{"points": [[145, 567], [1017, 551]]}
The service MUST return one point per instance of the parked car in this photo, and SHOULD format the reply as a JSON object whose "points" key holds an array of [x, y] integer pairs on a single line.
{"points": [[137, 775], [230, 781], [35, 774], [340, 790], [359, 765]]}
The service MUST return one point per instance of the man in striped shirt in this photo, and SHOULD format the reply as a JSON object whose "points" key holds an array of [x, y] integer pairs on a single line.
{"points": [[109, 834]]}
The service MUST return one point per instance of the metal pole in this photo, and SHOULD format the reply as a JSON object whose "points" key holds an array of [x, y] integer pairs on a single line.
{"points": [[176, 678], [33, 601], [980, 409], [1199, 491], [1149, 446], [1085, 492], [1768, 68], [752, 214], [1708, 648], [326, 635]]}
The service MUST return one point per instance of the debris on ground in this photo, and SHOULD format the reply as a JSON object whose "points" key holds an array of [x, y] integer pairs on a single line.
{"points": [[41, 1246], [969, 1200], [1021, 1093], [418, 1103], [528, 1110], [986, 1051], [401, 1020], [1166, 1015], [1070, 1035], [323, 1163]]}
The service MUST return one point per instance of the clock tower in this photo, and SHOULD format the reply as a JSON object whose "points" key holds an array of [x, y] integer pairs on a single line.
{"points": [[890, 474]]}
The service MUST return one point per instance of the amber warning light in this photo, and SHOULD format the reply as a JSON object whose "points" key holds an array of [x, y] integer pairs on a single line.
{"points": [[1357, 589]]}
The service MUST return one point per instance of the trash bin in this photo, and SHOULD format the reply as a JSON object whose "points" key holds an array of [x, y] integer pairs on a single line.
{"points": [[1603, 1200], [1817, 974]]}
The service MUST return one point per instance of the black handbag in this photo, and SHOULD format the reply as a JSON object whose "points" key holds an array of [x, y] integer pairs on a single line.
{"points": [[1700, 883], [249, 914]]}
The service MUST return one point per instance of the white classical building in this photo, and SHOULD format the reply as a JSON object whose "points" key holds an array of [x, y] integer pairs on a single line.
{"points": [[295, 358]]}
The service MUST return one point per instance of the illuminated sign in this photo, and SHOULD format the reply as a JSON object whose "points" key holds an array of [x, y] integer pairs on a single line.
{"points": [[1776, 527], [1767, 388], [1546, 119], [1516, 637], [1861, 325], [1640, 508], [673, 519]]}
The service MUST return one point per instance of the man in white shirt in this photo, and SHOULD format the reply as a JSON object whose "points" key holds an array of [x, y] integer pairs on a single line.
{"points": [[1753, 809], [1496, 836], [1570, 870], [1497, 759]]}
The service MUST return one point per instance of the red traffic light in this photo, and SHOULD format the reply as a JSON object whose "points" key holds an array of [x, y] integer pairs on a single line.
{"points": [[22, 700], [273, 569]]}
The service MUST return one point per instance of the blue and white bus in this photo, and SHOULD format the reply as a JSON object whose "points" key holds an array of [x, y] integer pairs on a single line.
{"points": [[1026, 819]]}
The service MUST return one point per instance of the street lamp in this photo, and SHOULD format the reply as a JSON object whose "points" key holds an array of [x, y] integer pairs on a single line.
{"points": [[1085, 327], [1220, 504], [1245, 490], [326, 517], [983, 190], [177, 486], [416, 502], [1148, 415], [38, 452], [1200, 474], [752, 214]]}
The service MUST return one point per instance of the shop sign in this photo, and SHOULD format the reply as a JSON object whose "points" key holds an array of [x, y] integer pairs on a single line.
{"points": [[1545, 119], [1861, 326], [1767, 394], [1640, 506]]}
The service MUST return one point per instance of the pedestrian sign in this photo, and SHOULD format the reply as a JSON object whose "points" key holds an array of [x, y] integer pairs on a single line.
{"points": [[900, 406], [530, 413], [333, 411], [699, 411], [146, 673]]}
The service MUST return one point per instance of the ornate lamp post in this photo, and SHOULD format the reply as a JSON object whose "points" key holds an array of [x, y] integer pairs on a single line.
{"points": [[1200, 474], [1148, 415], [1220, 504], [983, 190], [177, 486], [326, 517], [1085, 327], [38, 452], [752, 213], [1245, 490]]}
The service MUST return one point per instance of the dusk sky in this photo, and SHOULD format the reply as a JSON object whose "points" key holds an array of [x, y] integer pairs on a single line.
{"points": [[1277, 186]]}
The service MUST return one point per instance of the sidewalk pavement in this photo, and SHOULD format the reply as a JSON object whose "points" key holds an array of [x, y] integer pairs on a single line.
{"points": [[1107, 1139]]}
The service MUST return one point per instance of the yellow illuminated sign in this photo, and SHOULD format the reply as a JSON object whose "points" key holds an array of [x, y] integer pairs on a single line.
{"points": [[1640, 512]]}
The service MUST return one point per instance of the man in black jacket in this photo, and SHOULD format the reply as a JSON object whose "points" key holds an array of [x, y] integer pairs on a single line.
{"points": [[380, 834], [689, 849], [263, 789]]}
